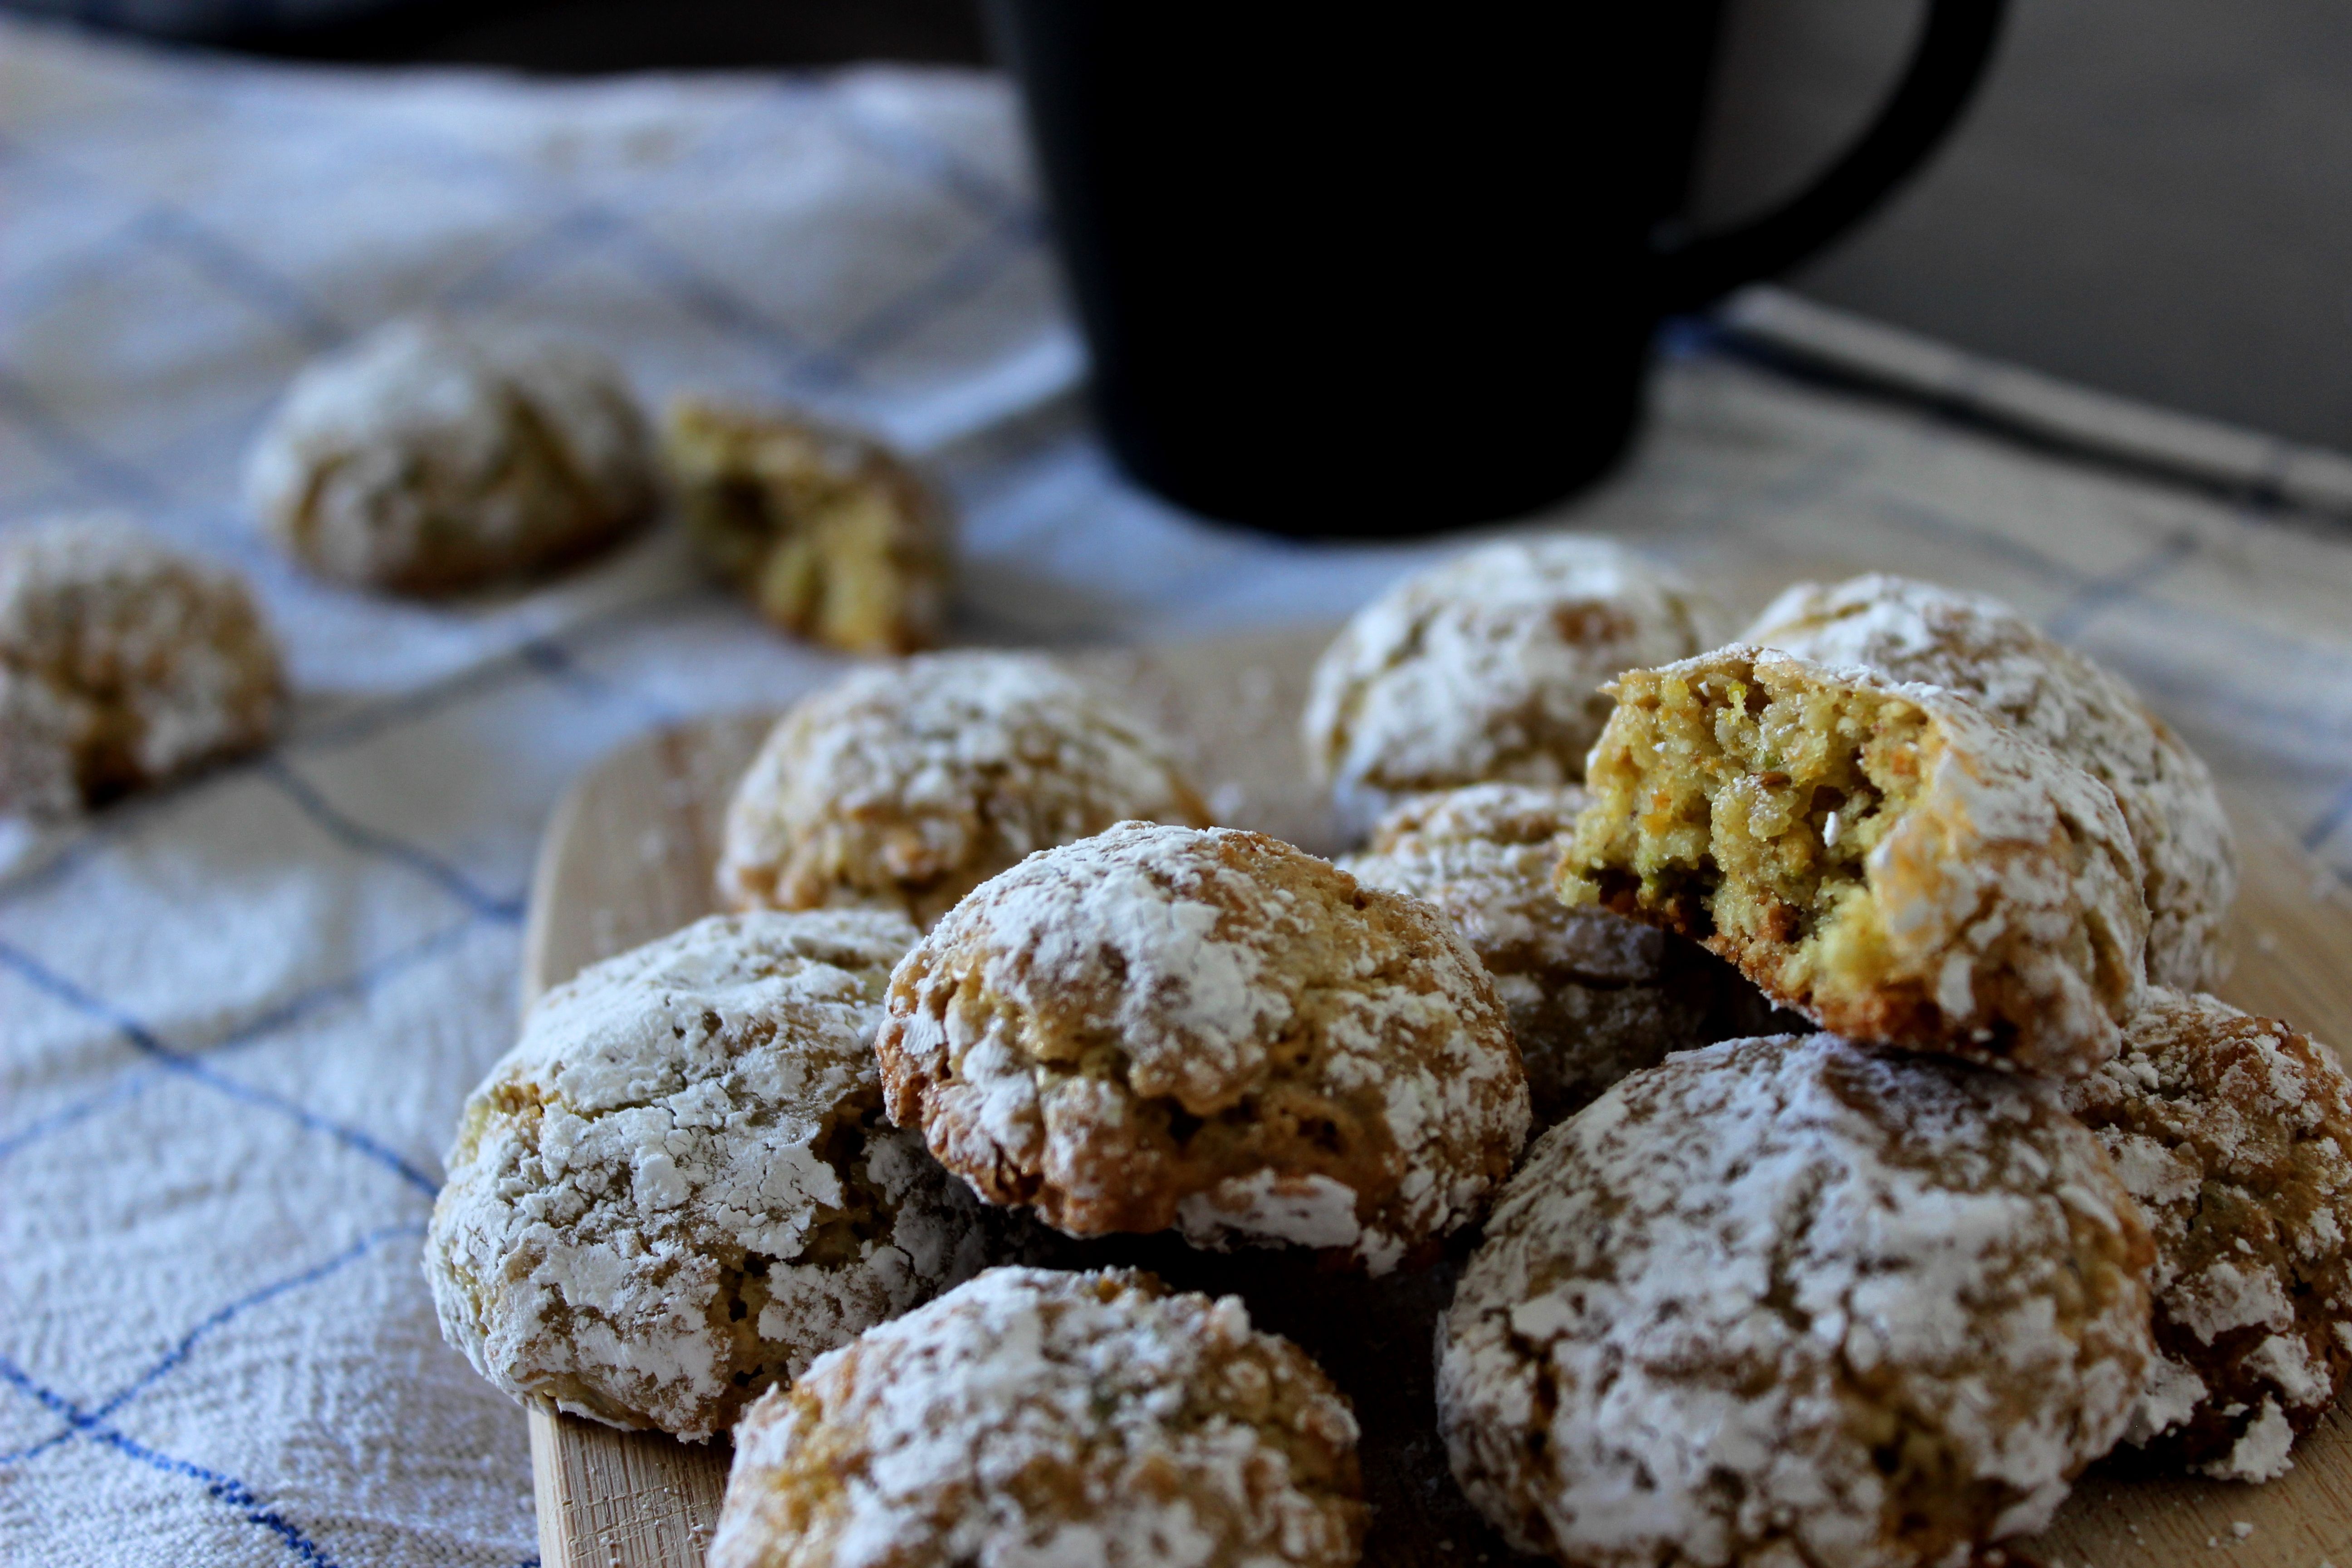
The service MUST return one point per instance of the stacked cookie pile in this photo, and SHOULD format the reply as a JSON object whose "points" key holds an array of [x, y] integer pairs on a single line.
{"points": [[1891, 1167]]}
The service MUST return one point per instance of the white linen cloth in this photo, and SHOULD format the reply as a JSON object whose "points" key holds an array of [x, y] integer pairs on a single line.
{"points": [[237, 1017]]}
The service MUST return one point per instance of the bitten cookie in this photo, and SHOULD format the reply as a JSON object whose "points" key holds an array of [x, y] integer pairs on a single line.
{"points": [[428, 457], [1988, 653], [1888, 860], [830, 535], [677, 1188], [1037, 1417], [121, 664], [909, 785], [1789, 1300], [1592, 995], [1488, 667], [1163, 1026], [2234, 1133]]}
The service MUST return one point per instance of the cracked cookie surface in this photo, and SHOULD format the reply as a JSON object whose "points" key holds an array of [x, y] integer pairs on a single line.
{"points": [[1040, 1417], [2234, 1134], [1887, 859], [1592, 995], [1213, 1030], [122, 663], [1914, 631], [428, 458], [909, 784], [679, 1187], [1795, 1302], [1488, 667]]}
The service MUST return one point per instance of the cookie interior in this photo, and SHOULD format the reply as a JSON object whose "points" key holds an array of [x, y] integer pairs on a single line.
{"points": [[1743, 814]]}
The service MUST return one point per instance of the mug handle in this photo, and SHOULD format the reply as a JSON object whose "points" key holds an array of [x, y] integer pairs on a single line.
{"points": [[1945, 65]]}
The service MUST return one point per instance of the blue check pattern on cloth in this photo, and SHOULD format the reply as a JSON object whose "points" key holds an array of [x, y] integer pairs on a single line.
{"points": [[237, 1017]]}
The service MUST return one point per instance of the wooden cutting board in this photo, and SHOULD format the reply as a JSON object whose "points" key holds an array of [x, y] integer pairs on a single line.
{"points": [[628, 858]]}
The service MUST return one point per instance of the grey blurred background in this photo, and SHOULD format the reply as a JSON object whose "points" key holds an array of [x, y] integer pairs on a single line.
{"points": [[2150, 197]]}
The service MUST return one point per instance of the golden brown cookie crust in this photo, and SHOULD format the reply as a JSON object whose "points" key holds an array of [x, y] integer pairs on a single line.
{"points": [[1792, 1301], [1042, 1416], [122, 663], [1164, 1027], [1592, 995], [830, 534], [2234, 1134], [1888, 860], [908, 785], [1913, 631], [428, 458], [677, 1188], [1488, 667]]}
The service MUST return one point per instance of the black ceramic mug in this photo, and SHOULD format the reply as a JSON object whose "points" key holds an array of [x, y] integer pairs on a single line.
{"points": [[1378, 270]]}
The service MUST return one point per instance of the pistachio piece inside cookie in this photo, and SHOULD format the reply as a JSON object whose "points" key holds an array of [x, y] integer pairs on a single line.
{"points": [[1163, 1026], [678, 1189], [1040, 1417], [1886, 860], [2234, 1134], [1795, 1302], [1913, 631]]}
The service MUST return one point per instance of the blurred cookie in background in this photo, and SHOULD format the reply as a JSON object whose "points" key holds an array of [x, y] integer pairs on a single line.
{"points": [[1488, 667], [830, 534], [122, 663], [428, 458], [906, 786]]}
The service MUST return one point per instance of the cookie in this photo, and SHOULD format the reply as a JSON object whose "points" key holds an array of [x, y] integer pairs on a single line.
{"points": [[1888, 860], [1488, 667], [1988, 653], [122, 663], [1213, 1030], [2234, 1133], [829, 534], [1794, 1301], [427, 457], [1592, 995], [679, 1188], [908, 786], [1038, 1418]]}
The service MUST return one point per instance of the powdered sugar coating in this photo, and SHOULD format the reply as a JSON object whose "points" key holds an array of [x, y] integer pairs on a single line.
{"points": [[1979, 647], [122, 662], [427, 457], [1041, 1418], [2234, 1134], [678, 1189], [1592, 995], [1996, 913], [909, 784], [1488, 667], [1163, 1026], [1788, 1301]]}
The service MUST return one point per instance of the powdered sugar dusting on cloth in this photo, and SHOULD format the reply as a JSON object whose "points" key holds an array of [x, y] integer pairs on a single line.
{"points": [[1145, 1028], [1979, 647], [1489, 667], [1048, 1418], [674, 1192], [1706, 1302]]}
